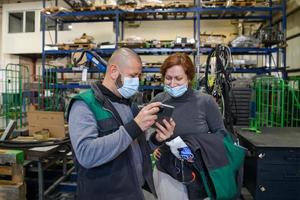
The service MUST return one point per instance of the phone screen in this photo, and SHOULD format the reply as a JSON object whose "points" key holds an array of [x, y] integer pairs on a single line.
{"points": [[165, 112]]}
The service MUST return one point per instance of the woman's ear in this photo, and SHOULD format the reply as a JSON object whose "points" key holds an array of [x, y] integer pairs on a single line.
{"points": [[190, 83]]}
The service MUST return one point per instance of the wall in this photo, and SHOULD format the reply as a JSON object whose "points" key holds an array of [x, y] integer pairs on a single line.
{"points": [[0, 35], [18, 43], [169, 30], [25, 61]]}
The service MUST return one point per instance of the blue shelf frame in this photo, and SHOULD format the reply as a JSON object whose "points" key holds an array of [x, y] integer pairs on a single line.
{"points": [[79, 86], [203, 11], [161, 51], [198, 13], [95, 70], [256, 70]]}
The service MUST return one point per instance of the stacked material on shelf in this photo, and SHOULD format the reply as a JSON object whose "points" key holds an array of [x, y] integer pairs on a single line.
{"points": [[245, 62], [270, 36], [213, 3], [132, 42], [245, 41], [84, 42], [54, 9], [79, 3], [138, 42], [210, 40], [84, 39], [238, 3]]}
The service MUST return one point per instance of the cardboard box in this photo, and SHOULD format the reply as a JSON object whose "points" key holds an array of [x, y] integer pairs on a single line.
{"points": [[53, 121]]}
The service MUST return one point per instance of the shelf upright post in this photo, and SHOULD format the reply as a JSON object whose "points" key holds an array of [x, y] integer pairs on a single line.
{"points": [[43, 39], [117, 12], [194, 26], [197, 60], [283, 27], [56, 4], [271, 24], [122, 30]]}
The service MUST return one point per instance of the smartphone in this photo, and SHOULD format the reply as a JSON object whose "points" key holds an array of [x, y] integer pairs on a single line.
{"points": [[165, 112]]}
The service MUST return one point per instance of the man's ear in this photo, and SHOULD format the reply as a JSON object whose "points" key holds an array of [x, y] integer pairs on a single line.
{"points": [[114, 72]]}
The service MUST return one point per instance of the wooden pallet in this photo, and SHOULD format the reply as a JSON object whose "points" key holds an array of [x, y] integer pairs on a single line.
{"points": [[11, 167], [13, 192], [179, 5], [105, 7], [53, 9], [163, 5], [150, 6], [242, 3], [214, 3], [76, 46], [98, 7], [11, 174], [90, 8]]}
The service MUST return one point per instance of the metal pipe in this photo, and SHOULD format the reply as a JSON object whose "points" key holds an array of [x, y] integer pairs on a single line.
{"points": [[58, 181], [41, 180], [293, 36]]}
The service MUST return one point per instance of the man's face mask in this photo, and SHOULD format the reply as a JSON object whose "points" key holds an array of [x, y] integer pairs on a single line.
{"points": [[129, 87], [176, 91]]}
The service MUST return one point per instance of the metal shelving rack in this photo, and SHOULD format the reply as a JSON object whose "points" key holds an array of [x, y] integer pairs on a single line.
{"points": [[196, 13]]}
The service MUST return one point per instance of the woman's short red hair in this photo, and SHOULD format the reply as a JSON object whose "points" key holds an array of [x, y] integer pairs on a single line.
{"points": [[181, 59]]}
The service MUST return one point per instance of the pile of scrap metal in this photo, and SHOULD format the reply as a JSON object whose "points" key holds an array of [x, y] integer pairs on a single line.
{"points": [[132, 42], [79, 3], [128, 2], [265, 37], [245, 41], [270, 36]]}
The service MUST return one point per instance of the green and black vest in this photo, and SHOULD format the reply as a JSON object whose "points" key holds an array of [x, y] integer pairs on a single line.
{"points": [[115, 180]]}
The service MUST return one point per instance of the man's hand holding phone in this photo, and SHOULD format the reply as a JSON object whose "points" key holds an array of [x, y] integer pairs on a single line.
{"points": [[160, 115], [147, 116]]}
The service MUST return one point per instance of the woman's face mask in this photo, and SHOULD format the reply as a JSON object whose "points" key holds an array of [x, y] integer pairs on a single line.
{"points": [[176, 81], [176, 91]]}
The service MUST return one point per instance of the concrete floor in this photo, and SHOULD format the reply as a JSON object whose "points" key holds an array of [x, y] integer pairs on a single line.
{"points": [[148, 196], [245, 195]]}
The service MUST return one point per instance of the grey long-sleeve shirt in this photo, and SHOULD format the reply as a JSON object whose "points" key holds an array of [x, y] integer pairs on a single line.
{"points": [[194, 113]]}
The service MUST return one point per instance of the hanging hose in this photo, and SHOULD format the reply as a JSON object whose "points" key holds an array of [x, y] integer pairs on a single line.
{"points": [[220, 87], [223, 61], [30, 144]]}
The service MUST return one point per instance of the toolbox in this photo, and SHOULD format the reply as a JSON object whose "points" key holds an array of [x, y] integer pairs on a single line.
{"points": [[272, 166]]}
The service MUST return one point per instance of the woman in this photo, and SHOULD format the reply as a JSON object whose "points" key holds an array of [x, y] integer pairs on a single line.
{"points": [[194, 113]]}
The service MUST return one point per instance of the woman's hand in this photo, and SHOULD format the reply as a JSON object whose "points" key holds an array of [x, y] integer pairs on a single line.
{"points": [[157, 154], [164, 132]]}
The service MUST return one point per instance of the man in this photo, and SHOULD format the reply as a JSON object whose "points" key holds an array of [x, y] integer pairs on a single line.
{"points": [[108, 140]]}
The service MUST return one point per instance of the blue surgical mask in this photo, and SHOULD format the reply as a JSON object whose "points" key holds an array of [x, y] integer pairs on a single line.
{"points": [[176, 91], [130, 87]]}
